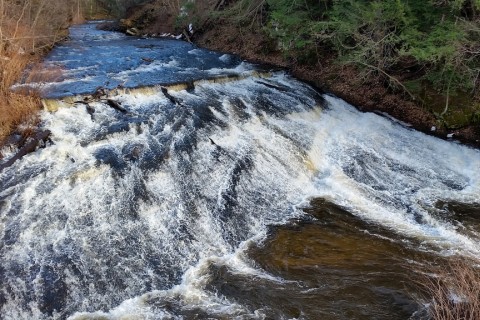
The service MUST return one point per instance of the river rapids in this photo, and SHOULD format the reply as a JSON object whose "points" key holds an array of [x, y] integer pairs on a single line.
{"points": [[150, 212]]}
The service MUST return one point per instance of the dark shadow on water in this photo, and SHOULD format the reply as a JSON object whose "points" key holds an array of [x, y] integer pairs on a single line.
{"points": [[330, 265], [465, 217]]}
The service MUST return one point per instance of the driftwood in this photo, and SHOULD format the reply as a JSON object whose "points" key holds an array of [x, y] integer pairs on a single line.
{"points": [[116, 105], [187, 37], [30, 146], [100, 95], [99, 92], [133, 31]]}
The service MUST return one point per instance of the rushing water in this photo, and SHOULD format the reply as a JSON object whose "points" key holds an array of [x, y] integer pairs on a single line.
{"points": [[194, 203]]}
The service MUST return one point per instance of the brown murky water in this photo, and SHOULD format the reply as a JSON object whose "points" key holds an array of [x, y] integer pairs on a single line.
{"points": [[335, 266]]}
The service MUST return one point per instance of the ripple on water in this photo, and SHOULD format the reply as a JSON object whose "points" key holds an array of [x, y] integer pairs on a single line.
{"points": [[333, 266]]}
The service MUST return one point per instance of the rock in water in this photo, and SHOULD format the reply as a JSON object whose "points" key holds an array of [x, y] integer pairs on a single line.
{"points": [[30, 146]]}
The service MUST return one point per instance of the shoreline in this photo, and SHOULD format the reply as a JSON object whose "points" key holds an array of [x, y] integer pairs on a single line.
{"points": [[343, 81], [326, 76], [329, 77]]}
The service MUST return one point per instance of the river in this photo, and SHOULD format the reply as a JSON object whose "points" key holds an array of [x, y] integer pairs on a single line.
{"points": [[220, 190]]}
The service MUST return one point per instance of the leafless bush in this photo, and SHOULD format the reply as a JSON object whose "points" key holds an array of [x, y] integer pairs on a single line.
{"points": [[118, 8], [250, 12], [452, 290], [27, 29]]}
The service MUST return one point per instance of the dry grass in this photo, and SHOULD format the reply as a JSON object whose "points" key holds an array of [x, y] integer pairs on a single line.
{"points": [[452, 291], [27, 31], [17, 111]]}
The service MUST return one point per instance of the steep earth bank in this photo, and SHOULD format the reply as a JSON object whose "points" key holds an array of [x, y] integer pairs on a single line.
{"points": [[221, 34]]}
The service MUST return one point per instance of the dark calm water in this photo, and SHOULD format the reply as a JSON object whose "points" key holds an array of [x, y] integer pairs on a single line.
{"points": [[258, 198]]}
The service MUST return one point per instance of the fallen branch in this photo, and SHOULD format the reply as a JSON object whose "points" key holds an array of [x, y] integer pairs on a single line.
{"points": [[116, 105], [30, 146]]}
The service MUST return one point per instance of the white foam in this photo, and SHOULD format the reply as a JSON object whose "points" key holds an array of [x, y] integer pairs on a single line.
{"points": [[345, 132], [225, 58], [250, 167], [154, 66], [195, 52], [239, 69]]}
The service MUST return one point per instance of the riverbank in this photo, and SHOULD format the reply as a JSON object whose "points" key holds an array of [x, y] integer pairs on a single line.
{"points": [[220, 32], [346, 82], [28, 32]]}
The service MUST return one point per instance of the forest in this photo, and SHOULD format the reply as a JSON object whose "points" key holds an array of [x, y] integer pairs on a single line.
{"points": [[413, 45], [427, 51]]}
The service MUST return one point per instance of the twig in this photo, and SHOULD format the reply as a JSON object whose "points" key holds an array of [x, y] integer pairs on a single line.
{"points": [[387, 75], [448, 98]]}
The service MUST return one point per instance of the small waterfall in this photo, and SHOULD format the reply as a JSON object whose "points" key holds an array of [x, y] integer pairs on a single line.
{"points": [[124, 213]]}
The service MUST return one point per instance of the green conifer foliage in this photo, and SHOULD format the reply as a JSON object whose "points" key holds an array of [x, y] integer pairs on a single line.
{"points": [[441, 37]]}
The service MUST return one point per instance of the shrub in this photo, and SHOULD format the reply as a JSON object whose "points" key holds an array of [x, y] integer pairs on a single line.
{"points": [[441, 37], [29, 28], [452, 291]]}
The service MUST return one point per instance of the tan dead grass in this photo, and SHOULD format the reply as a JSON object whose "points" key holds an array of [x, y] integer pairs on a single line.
{"points": [[19, 114], [16, 110], [27, 31], [452, 290]]}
